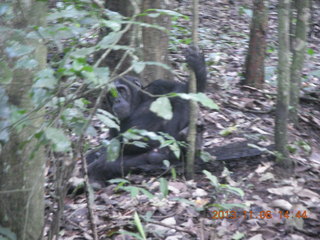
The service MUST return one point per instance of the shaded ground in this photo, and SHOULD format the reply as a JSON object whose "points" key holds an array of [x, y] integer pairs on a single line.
{"points": [[188, 210]]}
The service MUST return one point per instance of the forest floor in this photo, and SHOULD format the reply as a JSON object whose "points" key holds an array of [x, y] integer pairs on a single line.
{"points": [[275, 205]]}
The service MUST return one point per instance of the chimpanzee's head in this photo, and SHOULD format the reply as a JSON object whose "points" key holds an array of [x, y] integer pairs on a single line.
{"points": [[126, 98]]}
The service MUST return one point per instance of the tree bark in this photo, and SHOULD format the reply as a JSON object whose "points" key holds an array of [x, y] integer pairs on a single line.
{"points": [[299, 50], [125, 8], [254, 66], [282, 106], [22, 169], [155, 43], [151, 44]]}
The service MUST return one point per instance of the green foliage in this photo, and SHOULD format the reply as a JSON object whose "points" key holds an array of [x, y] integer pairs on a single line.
{"points": [[6, 233], [164, 187], [113, 149], [200, 98], [15, 50], [310, 51], [238, 235], [302, 145], [134, 191], [139, 137], [138, 223], [108, 119], [205, 156], [221, 187], [162, 107], [60, 142], [227, 131], [166, 163], [60, 91]]}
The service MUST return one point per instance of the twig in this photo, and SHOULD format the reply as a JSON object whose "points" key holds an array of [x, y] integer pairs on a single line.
{"points": [[180, 229], [90, 204]]}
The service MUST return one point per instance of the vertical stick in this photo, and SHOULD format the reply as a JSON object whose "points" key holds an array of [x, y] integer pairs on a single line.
{"points": [[193, 105]]}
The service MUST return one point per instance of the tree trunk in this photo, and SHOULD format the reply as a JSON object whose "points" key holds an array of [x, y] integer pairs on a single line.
{"points": [[21, 167], [151, 44], [125, 8], [254, 66], [299, 49], [155, 43], [282, 107]]}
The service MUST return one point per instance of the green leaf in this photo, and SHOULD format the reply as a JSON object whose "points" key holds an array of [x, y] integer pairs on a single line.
{"points": [[138, 66], [166, 163], [206, 157], [165, 12], [199, 97], [45, 79], [138, 223], [60, 141], [69, 12], [102, 75], [26, 63], [113, 150], [212, 178], [71, 114], [110, 39], [164, 187], [139, 144], [113, 25], [228, 131], [238, 235], [310, 51], [5, 73], [18, 50], [235, 190], [82, 52], [78, 64], [109, 122], [227, 206], [7, 234], [162, 108], [173, 173], [98, 77], [147, 193]]}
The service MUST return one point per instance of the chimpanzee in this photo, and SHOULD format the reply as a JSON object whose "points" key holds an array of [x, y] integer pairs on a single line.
{"points": [[132, 107]]}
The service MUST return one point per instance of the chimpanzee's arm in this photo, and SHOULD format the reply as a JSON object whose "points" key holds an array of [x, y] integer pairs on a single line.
{"points": [[101, 170], [196, 62]]}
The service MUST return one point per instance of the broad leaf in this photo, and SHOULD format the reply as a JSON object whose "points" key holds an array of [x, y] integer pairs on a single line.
{"points": [[138, 223], [212, 178], [164, 187], [199, 97], [162, 107], [110, 39], [113, 150], [110, 123], [60, 141], [138, 66]]}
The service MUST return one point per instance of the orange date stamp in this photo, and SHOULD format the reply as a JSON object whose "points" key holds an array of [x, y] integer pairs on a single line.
{"points": [[220, 214]]}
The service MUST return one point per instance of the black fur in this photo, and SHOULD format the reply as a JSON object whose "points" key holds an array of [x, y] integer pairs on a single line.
{"points": [[132, 106]]}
